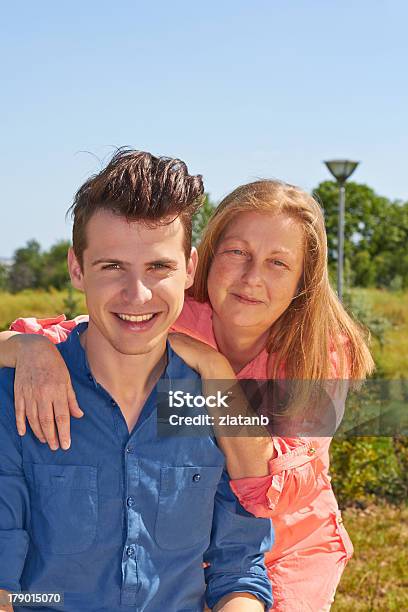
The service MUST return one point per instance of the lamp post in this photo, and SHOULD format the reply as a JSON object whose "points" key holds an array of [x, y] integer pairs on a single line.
{"points": [[341, 169]]}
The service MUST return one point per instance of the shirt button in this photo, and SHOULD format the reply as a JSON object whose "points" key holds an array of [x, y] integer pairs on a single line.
{"points": [[130, 551], [130, 501], [90, 377], [129, 449], [196, 477], [311, 450]]}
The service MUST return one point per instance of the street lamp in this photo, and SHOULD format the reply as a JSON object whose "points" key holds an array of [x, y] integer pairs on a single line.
{"points": [[341, 169]]}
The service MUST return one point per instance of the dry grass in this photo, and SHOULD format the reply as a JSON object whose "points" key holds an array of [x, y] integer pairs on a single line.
{"points": [[376, 578], [30, 303], [393, 306]]}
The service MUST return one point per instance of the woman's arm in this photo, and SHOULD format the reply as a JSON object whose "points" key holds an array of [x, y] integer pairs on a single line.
{"points": [[247, 455], [43, 391], [294, 478], [239, 602], [8, 348], [44, 394], [5, 596]]}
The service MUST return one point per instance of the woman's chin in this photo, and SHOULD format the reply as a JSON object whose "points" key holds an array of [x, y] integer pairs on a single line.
{"points": [[238, 320]]}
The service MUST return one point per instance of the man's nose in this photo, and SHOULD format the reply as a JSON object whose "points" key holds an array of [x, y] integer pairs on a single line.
{"points": [[136, 291]]}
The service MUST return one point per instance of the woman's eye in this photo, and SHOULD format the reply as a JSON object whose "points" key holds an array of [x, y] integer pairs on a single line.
{"points": [[236, 252], [280, 264]]}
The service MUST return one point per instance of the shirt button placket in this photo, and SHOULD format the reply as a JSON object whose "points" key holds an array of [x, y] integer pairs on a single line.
{"points": [[130, 568]]}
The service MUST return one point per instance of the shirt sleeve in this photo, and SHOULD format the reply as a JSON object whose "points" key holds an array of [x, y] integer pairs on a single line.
{"points": [[293, 471], [236, 552], [297, 462], [292, 480], [56, 329], [14, 496]]}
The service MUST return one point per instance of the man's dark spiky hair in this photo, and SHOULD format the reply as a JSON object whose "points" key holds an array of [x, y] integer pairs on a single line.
{"points": [[140, 187]]}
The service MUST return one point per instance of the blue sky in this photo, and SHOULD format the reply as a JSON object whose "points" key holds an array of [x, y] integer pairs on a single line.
{"points": [[237, 89]]}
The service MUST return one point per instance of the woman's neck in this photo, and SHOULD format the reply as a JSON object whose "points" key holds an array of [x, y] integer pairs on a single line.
{"points": [[239, 345]]}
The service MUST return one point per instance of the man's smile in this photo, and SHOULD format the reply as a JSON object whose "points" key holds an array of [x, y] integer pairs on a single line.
{"points": [[136, 318], [137, 322]]}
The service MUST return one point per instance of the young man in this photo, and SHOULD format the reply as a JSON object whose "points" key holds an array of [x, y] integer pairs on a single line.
{"points": [[124, 519]]}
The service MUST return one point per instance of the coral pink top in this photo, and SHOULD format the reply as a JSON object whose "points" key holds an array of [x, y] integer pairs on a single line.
{"points": [[311, 544]]}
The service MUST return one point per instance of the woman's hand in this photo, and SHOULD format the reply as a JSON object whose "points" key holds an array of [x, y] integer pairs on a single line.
{"points": [[202, 357], [247, 450], [43, 391]]}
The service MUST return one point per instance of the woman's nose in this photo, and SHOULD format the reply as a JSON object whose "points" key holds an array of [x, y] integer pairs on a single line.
{"points": [[252, 274]]}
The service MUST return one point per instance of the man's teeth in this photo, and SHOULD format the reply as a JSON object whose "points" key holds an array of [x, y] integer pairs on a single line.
{"points": [[136, 318]]}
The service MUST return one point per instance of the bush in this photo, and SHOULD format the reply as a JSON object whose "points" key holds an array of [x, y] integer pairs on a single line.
{"points": [[368, 469]]}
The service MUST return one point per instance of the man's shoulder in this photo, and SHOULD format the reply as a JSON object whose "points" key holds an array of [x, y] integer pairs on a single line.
{"points": [[7, 376], [70, 347], [178, 368]]}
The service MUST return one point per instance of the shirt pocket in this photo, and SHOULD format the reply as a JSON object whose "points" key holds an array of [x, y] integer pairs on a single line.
{"points": [[64, 507], [186, 505], [344, 536]]}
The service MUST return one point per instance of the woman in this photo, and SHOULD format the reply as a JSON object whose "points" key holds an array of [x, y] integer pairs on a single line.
{"points": [[262, 298]]}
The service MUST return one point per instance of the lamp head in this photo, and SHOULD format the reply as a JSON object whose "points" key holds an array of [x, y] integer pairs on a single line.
{"points": [[341, 169]]}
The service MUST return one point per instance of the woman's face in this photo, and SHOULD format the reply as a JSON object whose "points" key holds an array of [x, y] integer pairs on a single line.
{"points": [[256, 270]]}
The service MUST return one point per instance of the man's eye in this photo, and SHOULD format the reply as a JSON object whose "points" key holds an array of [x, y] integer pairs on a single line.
{"points": [[160, 266], [112, 266]]}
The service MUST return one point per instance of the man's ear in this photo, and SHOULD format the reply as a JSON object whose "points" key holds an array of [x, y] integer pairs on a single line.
{"points": [[75, 272], [191, 268]]}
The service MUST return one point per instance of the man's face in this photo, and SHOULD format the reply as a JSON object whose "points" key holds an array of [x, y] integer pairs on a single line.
{"points": [[134, 277]]}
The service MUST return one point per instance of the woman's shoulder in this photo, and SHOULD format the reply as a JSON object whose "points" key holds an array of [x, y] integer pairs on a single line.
{"points": [[195, 317], [194, 308]]}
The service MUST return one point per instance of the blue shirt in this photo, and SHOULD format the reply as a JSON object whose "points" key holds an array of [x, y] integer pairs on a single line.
{"points": [[122, 521]]}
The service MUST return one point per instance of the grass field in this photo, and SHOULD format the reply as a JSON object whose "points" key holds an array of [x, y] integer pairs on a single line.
{"points": [[392, 357], [31, 303], [376, 578]]}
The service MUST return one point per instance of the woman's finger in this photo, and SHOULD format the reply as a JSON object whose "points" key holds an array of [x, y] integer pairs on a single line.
{"points": [[74, 408], [62, 420], [47, 423], [20, 412], [32, 417]]}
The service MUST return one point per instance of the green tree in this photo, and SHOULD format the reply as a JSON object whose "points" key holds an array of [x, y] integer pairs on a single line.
{"points": [[26, 270], [4, 274], [201, 218], [389, 247], [54, 266], [71, 303], [376, 234]]}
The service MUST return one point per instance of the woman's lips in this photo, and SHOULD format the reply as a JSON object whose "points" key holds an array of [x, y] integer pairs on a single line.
{"points": [[246, 300]]}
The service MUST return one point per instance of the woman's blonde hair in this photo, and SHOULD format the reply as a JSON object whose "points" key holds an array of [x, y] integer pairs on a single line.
{"points": [[316, 323]]}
